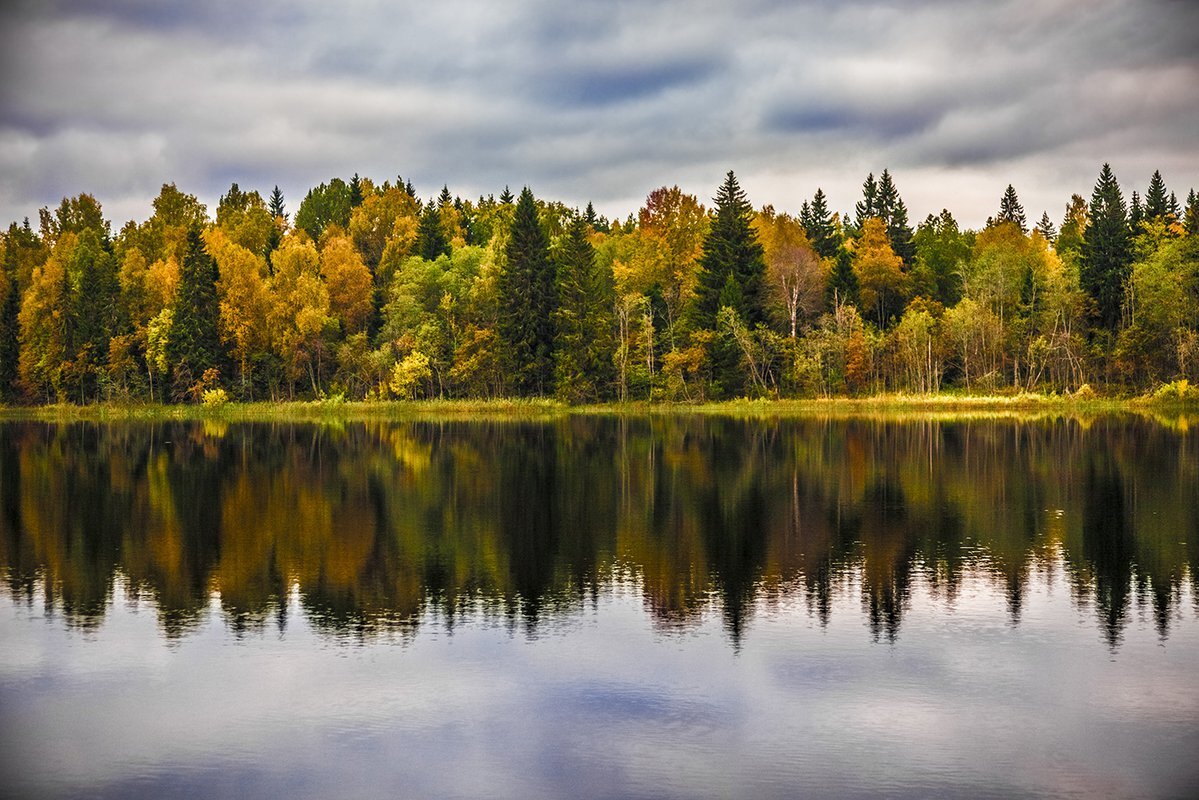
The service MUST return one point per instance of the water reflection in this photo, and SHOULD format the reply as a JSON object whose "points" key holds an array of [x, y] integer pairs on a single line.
{"points": [[378, 524]]}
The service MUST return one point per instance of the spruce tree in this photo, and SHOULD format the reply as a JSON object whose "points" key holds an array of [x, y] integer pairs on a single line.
{"points": [[10, 347], [584, 320], [1107, 249], [822, 233], [1046, 229], [430, 238], [1157, 201], [1010, 210], [1191, 223], [276, 206], [731, 249], [843, 282], [528, 298], [506, 197], [194, 343], [868, 207], [900, 232], [355, 191], [93, 294], [444, 199], [1135, 213]]}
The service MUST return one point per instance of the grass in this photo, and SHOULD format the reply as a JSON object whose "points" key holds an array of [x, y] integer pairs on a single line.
{"points": [[937, 406]]}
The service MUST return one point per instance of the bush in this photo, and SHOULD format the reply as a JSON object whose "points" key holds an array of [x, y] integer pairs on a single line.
{"points": [[215, 398], [1084, 392]]}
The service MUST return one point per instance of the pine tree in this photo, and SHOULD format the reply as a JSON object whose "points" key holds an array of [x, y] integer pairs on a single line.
{"points": [[444, 199], [1135, 213], [1191, 223], [900, 233], [1107, 249], [1046, 229], [1010, 210], [10, 347], [355, 191], [584, 320], [194, 344], [731, 249], [430, 238], [1157, 202], [589, 216], [506, 197], [843, 282], [276, 206], [528, 297], [822, 233], [868, 207], [94, 292]]}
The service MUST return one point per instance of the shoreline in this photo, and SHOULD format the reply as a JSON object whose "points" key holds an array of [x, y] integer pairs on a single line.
{"points": [[935, 406]]}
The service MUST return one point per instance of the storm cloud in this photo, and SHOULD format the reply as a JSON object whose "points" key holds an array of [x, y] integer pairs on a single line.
{"points": [[600, 101]]}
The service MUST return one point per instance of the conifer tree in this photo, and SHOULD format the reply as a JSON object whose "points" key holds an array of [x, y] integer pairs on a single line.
{"points": [[430, 238], [1107, 249], [731, 249], [868, 207], [1046, 229], [1010, 210], [584, 320], [276, 207], [1191, 223], [822, 233], [194, 345], [1157, 202], [94, 290], [10, 328], [355, 191], [843, 282], [1135, 213], [528, 298], [506, 196], [444, 199]]}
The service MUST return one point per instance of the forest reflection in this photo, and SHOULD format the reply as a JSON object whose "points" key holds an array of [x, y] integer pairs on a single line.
{"points": [[378, 524]]}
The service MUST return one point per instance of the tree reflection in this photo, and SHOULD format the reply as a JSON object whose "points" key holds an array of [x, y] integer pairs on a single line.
{"points": [[379, 525]]}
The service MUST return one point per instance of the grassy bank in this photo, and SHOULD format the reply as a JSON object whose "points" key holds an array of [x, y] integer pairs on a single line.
{"points": [[938, 406]]}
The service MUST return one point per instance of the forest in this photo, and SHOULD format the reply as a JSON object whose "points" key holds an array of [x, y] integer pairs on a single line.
{"points": [[367, 291]]}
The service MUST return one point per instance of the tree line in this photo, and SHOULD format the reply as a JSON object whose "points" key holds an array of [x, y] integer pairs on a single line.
{"points": [[368, 291]]}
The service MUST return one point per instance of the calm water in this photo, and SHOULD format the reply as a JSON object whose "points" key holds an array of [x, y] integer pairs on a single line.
{"points": [[600, 607]]}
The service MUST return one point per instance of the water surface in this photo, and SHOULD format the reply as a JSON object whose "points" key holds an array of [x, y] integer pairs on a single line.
{"points": [[600, 607]]}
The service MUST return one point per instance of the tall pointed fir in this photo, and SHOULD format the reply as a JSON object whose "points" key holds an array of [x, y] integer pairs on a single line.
{"points": [[1011, 211], [94, 308], [194, 343], [275, 206], [1157, 201], [732, 273], [822, 233], [843, 281], [1191, 222], [1135, 213], [430, 238], [584, 321], [1046, 229], [1107, 249], [868, 207], [528, 298], [10, 328], [355, 191]]}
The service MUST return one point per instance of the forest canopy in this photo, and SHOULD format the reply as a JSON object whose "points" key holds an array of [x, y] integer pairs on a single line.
{"points": [[366, 290]]}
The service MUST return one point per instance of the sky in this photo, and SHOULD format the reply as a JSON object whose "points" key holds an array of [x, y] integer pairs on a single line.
{"points": [[599, 101]]}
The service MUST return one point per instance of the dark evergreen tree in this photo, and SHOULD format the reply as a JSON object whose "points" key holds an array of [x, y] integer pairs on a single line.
{"points": [[843, 282], [731, 249], [1107, 249], [276, 206], [821, 230], [900, 233], [1046, 229], [941, 249], [528, 298], [1010, 210], [1135, 213], [585, 321], [430, 238], [1174, 212], [1157, 201], [355, 191], [868, 207], [194, 343], [589, 216], [1191, 223], [444, 199], [94, 291], [506, 197], [10, 329]]}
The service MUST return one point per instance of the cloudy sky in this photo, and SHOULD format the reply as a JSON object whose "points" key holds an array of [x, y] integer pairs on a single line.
{"points": [[600, 101]]}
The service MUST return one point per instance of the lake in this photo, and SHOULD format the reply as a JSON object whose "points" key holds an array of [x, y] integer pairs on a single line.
{"points": [[601, 606]]}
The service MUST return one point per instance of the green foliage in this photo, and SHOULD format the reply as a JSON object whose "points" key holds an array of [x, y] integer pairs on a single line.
{"points": [[327, 204], [1107, 249], [194, 344], [528, 298], [584, 321], [1011, 211], [430, 239]]}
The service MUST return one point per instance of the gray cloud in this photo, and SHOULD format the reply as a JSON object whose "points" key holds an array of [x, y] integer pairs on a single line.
{"points": [[601, 101]]}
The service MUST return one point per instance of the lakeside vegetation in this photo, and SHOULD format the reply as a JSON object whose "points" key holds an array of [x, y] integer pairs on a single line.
{"points": [[370, 294]]}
